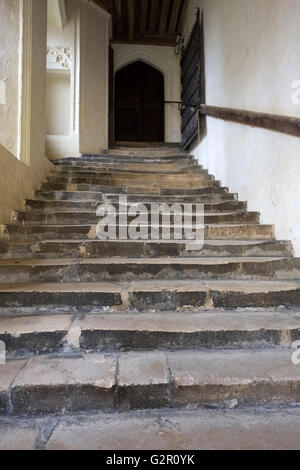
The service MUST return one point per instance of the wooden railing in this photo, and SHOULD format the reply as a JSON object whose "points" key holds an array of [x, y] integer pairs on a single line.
{"points": [[274, 122]]}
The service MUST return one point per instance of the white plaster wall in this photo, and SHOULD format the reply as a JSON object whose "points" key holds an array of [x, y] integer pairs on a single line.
{"points": [[10, 12], [95, 30], [58, 106], [59, 145], [166, 61], [252, 59], [17, 179]]}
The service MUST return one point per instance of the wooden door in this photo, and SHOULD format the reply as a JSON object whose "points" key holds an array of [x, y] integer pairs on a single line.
{"points": [[111, 118], [193, 85], [139, 104]]}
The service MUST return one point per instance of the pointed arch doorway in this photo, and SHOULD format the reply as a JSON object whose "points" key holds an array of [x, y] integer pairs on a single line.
{"points": [[139, 104]]}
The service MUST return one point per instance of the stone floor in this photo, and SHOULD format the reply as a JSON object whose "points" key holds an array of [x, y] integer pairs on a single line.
{"points": [[229, 429]]}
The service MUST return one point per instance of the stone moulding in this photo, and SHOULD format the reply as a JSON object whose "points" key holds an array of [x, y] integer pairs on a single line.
{"points": [[59, 58]]}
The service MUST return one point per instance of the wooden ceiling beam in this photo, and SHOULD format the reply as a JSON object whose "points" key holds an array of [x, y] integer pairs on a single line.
{"points": [[135, 22], [168, 40], [174, 16], [117, 17], [183, 16], [164, 16], [130, 5], [143, 16], [155, 11]]}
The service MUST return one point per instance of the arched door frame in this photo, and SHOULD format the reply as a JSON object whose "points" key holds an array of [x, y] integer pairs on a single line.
{"points": [[150, 57], [133, 61]]}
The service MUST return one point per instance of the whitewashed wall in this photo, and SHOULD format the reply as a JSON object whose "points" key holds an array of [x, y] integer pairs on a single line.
{"points": [[10, 13], [94, 78], [252, 61], [20, 174]]}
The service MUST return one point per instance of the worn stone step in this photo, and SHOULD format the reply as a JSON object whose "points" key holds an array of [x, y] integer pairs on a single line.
{"points": [[128, 269], [144, 249], [39, 205], [105, 182], [147, 380], [145, 167], [120, 159], [135, 170], [77, 218], [116, 178], [146, 296], [172, 156], [84, 196], [93, 172], [219, 231], [137, 148], [182, 183], [44, 334], [142, 191], [206, 198], [172, 181], [171, 429], [251, 428]]}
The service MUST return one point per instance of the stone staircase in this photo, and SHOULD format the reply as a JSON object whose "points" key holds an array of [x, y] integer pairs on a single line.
{"points": [[118, 325]]}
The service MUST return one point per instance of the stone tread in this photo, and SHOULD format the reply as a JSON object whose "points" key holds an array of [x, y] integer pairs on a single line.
{"points": [[146, 261], [144, 296], [141, 380], [42, 334], [178, 430], [158, 286]]}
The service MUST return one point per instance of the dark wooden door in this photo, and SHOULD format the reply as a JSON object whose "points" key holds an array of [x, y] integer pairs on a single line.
{"points": [[193, 85], [111, 118], [139, 104]]}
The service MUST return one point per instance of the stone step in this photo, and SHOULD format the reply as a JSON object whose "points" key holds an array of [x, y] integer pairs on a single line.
{"points": [[39, 205], [147, 380], [137, 148], [136, 166], [182, 183], [219, 231], [93, 172], [145, 296], [229, 429], [251, 428], [142, 191], [173, 181], [213, 196], [85, 196], [161, 171], [75, 218], [29, 335], [106, 181], [144, 249], [159, 155], [108, 158], [129, 269]]}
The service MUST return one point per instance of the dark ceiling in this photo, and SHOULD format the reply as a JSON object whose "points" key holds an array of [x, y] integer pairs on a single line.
{"points": [[146, 21]]}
